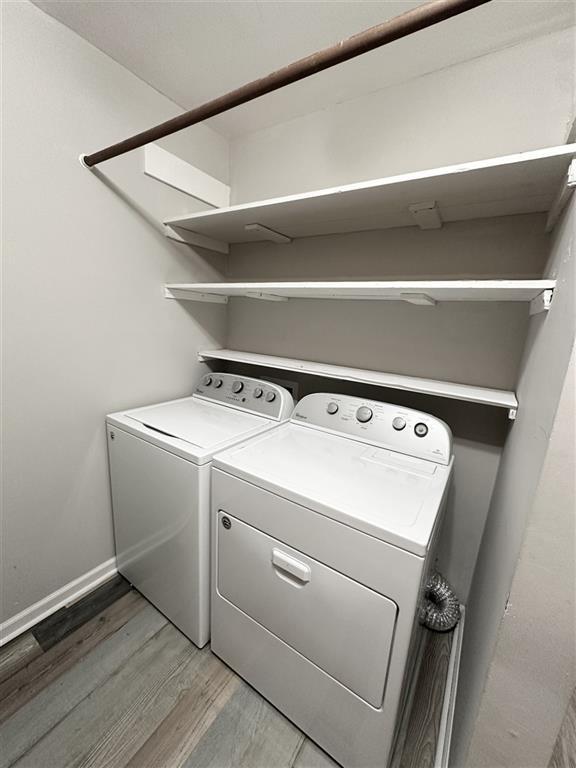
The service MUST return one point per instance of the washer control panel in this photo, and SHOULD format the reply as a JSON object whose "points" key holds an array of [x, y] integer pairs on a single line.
{"points": [[404, 430], [246, 394]]}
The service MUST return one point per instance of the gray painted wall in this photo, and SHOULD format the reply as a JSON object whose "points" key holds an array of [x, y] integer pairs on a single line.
{"points": [[543, 369], [516, 99], [86, 330], [533, 671]]}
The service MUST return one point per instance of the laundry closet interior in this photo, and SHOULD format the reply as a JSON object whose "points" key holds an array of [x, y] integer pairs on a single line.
{"points": [[355, 290]]}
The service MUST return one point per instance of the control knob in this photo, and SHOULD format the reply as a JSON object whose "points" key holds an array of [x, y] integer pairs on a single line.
{"points": [[237, 386], [270, 397], [420, 430], [398, 423], [257, 392], [364, 414], [217, 383], [332, 408], [207, 380]]}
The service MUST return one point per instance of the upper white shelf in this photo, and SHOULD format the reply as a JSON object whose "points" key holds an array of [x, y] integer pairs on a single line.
{"points": [[495, 397], [413, 291], [523, 183]]}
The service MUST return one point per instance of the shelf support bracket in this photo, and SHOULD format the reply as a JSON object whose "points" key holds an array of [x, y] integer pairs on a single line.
{"points": [[211, 298], [562, 197], [542, 302], [512, 412], [193, 238], [426, 215], [267, 234], [265, 296], [421, 299]]}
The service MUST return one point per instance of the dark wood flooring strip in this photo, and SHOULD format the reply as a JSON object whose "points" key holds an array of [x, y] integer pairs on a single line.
{"points": [[424, 719], [17, 654], [65, 621], [29, 681]]}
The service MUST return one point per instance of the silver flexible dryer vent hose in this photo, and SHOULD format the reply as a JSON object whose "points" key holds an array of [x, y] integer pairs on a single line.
{"points": [[440, 609]]}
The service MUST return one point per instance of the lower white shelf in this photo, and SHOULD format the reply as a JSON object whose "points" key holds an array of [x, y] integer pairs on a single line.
{"points": [[426, 292], [496, 397]]}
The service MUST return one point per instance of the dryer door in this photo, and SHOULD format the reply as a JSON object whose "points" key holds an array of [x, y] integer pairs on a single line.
{"points": [[343, 627]]}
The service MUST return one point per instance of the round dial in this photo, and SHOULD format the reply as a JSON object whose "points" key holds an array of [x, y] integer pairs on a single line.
{"points": [[238, 386], [217, 383], [270, 397], [364, 414], [258, 392], [332, 408], [207, 380], [399, 423], [420, 430]]}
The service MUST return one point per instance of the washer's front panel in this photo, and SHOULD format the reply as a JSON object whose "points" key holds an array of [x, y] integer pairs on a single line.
{"points": [[161, 527], [341, 626]]}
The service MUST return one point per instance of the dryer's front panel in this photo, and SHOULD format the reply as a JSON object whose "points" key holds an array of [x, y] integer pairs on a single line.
{"points": [[343, 627], [160, 505]]}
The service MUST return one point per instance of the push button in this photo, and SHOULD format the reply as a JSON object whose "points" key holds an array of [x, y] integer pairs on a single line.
{"points": [[420, 430]]}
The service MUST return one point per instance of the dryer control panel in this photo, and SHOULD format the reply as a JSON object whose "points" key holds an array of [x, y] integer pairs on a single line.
{"points": [[404, 430], [246, 394]]}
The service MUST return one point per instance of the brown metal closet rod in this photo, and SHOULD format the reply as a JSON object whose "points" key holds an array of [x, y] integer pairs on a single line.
{"points": [[374, 37]]}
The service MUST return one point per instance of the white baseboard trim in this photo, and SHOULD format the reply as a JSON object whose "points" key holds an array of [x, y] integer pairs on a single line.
{"points": [[442, 758], [59, 599]]}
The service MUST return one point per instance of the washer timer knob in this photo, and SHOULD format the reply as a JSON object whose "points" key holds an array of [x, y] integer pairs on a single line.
{"points": [[258, 392], [238, 386], [270, 397], [332, 408], [364, 414], [398, 423], [420, 430]]}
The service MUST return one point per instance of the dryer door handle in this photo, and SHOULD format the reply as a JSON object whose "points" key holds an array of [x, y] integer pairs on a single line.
{"points": [[295, 568]]}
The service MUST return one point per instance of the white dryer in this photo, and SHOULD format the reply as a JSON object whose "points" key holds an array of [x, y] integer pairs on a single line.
{"points": [[323, 536], [160, 477]]}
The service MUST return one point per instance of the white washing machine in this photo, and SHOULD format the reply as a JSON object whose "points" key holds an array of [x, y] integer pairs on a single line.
{"points": [[323, 536], [160, 477]]}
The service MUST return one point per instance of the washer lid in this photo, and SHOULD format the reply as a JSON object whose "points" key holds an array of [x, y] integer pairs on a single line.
{"points": [[200, 423], [383, 493]]}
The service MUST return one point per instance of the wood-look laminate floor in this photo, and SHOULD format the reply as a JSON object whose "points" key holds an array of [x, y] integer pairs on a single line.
{"points": [[109, 682]]}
